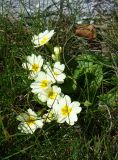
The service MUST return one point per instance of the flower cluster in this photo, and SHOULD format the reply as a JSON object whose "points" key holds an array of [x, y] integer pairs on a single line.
{"points": [[45, 86]]}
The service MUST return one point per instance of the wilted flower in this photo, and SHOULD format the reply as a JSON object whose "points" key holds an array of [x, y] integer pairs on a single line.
{"points": [[42, 38], [66, 110], [29, 122], [34, 64], [56, 74], [50, 116]]}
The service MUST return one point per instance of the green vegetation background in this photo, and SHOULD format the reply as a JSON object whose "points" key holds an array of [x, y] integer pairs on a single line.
{"points": [[95, 71]]}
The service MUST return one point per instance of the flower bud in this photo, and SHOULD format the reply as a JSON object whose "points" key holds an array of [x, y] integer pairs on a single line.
{"points": [[57, 51]]}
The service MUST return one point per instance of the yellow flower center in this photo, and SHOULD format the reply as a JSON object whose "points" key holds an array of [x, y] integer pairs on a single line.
{"points": [[44, 84], [44, 40], [56, 73], [66, 110], [31, 120], [35, 67], [52, 95]]}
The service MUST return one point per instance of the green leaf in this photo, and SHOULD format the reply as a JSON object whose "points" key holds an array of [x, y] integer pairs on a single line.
{"points": [[87, 64], [110, 98], [69, 86], [97, 71], [87, 103]]}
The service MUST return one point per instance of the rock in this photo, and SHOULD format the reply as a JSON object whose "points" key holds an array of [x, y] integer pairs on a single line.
{"points": [[15, 8], [89, 8]]}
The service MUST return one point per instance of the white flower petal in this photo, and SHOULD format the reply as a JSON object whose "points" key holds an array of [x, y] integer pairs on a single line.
{"points": [[71, 118], [31, 112], [31, 59], [42, 96], [59, 67], [36, 90], [76, 107], [61, 119], [51, 103], [42, 38], [60, 78], [24, 65], [26, 129], [22, 117], [51, 33], [39, 123], [66, 111], [44, 33], [29, 122], [56, 107], [34, 64], [71, 123], [41, 76], [67, 100], [56, 89]]}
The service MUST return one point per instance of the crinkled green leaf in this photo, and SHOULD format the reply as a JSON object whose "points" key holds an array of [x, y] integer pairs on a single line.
{"points": [[110, 98], [87, 64]]}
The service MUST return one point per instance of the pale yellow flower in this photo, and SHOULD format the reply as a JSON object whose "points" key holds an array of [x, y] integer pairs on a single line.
{"points": [[51, 95], [42, 83], [42, 38], [29, 122], [66, 110], [34, 64], [56, 74]]}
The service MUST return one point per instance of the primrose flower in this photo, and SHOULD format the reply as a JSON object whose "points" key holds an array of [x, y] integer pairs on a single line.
{"points": [[42, 38], [42, 83], [34, 64], [29, 122], [56, 74], [57, 51], [51, 95], [66, 110]]}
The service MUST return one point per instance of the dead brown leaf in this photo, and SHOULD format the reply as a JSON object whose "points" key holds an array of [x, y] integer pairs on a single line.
{"points": [[87, 31]]}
